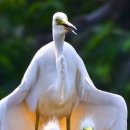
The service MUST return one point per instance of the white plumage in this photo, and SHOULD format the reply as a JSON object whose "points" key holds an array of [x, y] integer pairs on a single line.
{"points": [[52, 125], [87, 124], [56, 83]]}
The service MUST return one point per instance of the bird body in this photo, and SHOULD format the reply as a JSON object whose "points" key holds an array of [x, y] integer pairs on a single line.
{"points": [[57, 84], [50, 96]]}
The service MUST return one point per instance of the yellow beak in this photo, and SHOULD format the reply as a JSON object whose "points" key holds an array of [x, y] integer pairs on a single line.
{"points": [[88, 128], [68, 26]]}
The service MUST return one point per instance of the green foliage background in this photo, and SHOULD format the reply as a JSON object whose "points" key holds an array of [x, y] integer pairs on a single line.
{"points": [[105, 51]]}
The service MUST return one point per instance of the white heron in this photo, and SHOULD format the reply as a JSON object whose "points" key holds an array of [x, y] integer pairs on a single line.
{"points": [[57, 84]]}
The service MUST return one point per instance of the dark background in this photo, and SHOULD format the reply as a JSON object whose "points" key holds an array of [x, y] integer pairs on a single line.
{"points": [[103, 39]]}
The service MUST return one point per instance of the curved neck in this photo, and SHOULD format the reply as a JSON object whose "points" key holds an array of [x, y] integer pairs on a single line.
{"points": [[59, 42]]}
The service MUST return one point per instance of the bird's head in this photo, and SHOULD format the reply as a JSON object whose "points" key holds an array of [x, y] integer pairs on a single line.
{"points": [[87, 124], [61, 24]]}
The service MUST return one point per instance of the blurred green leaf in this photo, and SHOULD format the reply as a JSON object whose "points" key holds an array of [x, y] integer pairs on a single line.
{"points": [[126, 45]]}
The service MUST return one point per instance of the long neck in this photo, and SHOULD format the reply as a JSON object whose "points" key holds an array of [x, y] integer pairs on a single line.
{"points": [[59, 42], [60, 65]]}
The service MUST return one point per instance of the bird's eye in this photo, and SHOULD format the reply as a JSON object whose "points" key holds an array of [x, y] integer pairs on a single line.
{"points": [[57, 20]]}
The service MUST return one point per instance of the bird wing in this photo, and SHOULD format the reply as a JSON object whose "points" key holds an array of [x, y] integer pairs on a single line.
{"points": [[107, 110], [21, 93]]}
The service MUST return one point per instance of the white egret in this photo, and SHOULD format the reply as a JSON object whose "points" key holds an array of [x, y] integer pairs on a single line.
{"points": [[56, 83]]}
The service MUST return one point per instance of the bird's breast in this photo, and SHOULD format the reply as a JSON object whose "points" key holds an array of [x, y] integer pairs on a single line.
{"points": [[50, 102], [51, 105], [57, 91]]}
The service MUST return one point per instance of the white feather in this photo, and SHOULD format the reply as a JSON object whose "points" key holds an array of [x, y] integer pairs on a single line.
{"points": [[52, 125], [87, 123]]}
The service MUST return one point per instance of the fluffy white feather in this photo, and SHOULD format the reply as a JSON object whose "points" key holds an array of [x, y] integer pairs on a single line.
{"points": [[87, 124], [52, 125]]}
